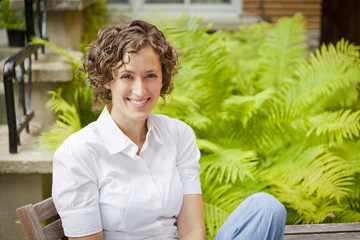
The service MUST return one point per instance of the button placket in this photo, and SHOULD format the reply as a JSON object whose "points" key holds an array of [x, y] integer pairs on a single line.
{"points": [[154, 194]]}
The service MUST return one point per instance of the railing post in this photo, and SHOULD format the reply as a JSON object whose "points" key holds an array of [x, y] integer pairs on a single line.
{"points": [[29, 16], [9, 71]]}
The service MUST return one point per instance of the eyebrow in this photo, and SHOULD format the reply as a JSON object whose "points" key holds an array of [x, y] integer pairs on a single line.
{"points": [[151, 70], [125, 71], [129, 71]]}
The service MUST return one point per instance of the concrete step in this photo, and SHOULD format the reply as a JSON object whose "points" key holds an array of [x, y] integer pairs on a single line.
{"points": [[32, 156]]}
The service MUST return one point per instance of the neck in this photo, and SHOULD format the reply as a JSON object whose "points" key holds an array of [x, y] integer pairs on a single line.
{"points": [[134, 130], [137, 132]]}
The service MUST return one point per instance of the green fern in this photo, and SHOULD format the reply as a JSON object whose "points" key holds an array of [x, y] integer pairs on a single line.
{"points": [[336, 126], [273, 99], [228, 165], [281, 52], [67, 123], [214, 218]]}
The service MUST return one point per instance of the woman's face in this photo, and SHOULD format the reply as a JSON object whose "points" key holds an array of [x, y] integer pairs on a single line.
{"points": [[136, 86]]}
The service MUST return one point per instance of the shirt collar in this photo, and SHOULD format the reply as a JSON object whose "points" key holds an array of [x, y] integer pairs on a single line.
{"points": [[115, 140], [153, 129]]}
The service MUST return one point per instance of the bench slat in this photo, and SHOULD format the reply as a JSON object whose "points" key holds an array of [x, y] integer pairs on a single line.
{"points": [[53, 230], [45, 209], [326, 236], [322, 228]]}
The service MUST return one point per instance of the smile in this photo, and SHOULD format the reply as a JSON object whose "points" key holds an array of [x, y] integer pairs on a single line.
{"points": [[138, 101]]}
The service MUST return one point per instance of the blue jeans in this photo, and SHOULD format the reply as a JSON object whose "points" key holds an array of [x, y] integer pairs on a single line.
{"points": [[261, 216]]}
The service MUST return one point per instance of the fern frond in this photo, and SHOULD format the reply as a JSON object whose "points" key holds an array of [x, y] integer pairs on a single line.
{"points": [[214, 218], [244, 107], [268, 129], [209, 146], [229, 165], [74, 60], [350, 152], [67, 124], [318, 171], [292, 198], [335, 126], [281, 52], [333, 179], [57, 103], [330, 70], [345, 216]]}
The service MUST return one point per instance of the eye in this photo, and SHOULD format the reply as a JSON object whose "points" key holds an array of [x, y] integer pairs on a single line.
{"points": [[126, 77], [151, 75]]}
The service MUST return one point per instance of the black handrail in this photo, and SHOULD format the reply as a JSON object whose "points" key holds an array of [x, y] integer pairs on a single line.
{"points": [[15, 124]]}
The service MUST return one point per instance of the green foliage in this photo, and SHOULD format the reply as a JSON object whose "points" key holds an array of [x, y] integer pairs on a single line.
{"points": [[269, 115], [72, 103], [9, 19]]}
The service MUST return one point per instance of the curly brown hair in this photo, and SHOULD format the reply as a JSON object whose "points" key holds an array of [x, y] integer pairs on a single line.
{"points": [[106, 53]]}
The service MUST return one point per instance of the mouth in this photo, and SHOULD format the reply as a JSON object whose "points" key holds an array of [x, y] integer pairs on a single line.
{"points": [[138, 102]]}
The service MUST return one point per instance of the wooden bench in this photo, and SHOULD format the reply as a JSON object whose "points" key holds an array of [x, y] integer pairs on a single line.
{"points": [[32, 215], [339, 231]]}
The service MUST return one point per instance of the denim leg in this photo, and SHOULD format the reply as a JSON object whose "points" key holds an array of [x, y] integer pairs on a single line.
{"points": [[261, 216]]}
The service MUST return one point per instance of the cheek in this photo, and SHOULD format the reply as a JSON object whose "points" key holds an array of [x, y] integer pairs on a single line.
{"points": [[156, 87], [118, 88], [158, 90]]}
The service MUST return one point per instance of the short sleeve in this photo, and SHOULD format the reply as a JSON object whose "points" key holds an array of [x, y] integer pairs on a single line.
{"points": [[74, 191], [188, 160]]}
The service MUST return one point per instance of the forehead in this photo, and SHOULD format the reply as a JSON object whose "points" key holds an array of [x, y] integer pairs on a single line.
{"points": [[146, 55], [144, 51], [145, 59]]}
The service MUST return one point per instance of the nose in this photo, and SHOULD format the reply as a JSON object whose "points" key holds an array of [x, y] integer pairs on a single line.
{"points": [[139, 87]]}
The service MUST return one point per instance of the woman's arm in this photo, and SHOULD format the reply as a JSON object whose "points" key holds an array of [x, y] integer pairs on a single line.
{"points": [[96, 236], [190, 221]]}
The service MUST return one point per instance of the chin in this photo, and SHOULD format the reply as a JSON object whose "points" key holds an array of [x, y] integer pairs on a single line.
{"points": [[140, 117]]}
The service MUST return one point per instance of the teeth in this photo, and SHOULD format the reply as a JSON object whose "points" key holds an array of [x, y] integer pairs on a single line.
{"points": [[138, 102]]}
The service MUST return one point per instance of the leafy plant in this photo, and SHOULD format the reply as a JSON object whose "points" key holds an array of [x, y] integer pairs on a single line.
{"points": [[72, 103], [270, 116], [10, 19]]}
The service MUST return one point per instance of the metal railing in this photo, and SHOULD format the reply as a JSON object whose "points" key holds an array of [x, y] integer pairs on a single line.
{"points": [[36, 28]]}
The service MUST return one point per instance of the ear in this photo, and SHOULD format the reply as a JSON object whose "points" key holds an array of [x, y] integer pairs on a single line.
{"points": [[106, 86]]}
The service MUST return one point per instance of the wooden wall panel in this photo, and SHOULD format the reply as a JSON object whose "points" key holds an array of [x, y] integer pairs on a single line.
{"points": [[273, 10]]}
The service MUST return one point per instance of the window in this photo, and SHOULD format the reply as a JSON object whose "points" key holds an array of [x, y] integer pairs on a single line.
{"points": [[204, 8]]}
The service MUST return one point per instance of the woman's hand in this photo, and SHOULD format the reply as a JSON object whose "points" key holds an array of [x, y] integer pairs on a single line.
{"points": [[97, 236], [190, 221]]}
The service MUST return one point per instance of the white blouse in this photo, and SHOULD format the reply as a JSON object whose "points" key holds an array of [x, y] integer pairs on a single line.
{"points": [[100, 184]]}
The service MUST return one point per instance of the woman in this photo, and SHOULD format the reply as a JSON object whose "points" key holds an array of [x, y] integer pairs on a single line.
{"points": [[135, 175]]}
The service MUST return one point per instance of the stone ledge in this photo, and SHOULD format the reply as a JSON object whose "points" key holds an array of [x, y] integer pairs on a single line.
{"points": [[56, 5], [32, 156]]}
